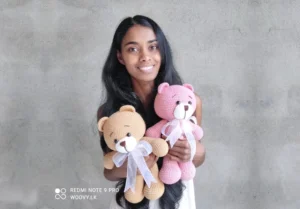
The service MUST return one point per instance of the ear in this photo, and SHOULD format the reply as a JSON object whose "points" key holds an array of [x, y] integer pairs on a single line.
{"points": [[189, 86], [162, 87], [120, 58], [101, 123], [127, 108]]}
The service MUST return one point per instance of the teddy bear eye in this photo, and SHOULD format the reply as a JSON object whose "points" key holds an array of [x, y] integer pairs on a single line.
{"points": [[178, 102], [190, 102], [116, 141], [128, 134]]}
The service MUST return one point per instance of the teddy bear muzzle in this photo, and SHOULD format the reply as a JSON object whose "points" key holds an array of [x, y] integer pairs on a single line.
{"points": [[126, 144], [183, 111]]}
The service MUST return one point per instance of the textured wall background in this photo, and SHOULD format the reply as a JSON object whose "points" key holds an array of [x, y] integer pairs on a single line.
{"points": [[241, 56]]}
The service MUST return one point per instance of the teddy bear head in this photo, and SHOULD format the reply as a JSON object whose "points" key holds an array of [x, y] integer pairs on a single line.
{"points": [[175, 101], [123, 129]]}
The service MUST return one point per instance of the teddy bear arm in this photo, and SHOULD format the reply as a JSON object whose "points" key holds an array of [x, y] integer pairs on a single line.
{"points": [[155, 131], [198, 131], [108, 160], [159, 146]]}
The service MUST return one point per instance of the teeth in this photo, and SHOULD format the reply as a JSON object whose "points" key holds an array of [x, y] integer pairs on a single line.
{"points": [[146, 68]]}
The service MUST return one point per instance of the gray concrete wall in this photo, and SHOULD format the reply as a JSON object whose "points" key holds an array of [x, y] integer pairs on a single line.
{"points": [[241, 56]]}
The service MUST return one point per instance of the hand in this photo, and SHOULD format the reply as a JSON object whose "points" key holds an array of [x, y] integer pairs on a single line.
{"points": [[181, 151]]}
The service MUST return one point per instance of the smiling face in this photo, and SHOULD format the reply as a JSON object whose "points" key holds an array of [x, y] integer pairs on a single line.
{"points": [[140, 53]]}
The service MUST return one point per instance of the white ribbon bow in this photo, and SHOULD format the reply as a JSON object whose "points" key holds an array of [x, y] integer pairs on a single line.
{"points": [[176, 129], [135, 161]]}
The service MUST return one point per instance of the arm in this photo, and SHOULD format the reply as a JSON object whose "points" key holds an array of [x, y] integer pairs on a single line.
{"points": [[115, 174], [200, 154], [108, 160]]}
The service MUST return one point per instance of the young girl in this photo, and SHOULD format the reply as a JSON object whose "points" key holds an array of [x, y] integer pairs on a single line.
{"points": [[139, 60]]}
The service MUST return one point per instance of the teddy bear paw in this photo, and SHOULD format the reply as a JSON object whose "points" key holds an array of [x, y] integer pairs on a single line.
{"points": [[155, 191], [188, 170], [170, 174]]}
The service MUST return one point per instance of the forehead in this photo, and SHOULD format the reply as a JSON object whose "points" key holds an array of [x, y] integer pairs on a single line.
{"points": [[139, 34]]}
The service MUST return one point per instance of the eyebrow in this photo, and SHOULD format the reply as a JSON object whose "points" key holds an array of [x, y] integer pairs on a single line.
{"points": [[190, 97], [135, 43], [111, 133], [126, 126], [174, 95]]}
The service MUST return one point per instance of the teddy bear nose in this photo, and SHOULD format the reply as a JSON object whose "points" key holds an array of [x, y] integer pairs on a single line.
{"points": [[123, 144], [186, 107]]}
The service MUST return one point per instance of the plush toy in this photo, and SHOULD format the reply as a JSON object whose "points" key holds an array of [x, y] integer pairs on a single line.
{"points": [[124, 134], [176, 104]]}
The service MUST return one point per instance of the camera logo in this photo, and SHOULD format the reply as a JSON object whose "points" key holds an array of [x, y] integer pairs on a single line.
{"points": [[60, 193]]}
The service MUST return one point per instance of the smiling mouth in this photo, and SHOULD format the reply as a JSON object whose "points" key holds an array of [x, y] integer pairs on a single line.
{"points": [[146, 69]]}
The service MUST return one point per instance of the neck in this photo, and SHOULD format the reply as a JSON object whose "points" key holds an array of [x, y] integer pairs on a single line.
{"points": [[143, 90]]}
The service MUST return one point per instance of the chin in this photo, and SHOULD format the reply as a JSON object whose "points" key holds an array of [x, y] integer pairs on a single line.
{"points": [[146, 78]]}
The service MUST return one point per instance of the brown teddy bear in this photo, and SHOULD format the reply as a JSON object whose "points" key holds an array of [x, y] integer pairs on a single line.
{"points": [[124, 134]]}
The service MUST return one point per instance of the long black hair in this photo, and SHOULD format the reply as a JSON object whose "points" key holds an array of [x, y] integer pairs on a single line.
{"points": [[119, 91]]}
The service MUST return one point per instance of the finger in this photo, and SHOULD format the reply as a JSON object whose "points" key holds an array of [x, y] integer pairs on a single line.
{"points": [[151, 161], [150, 157], [151, 164], [182, 157], [183, 151], [176, 154], [163, 136], [182, 144], [174, 158]]}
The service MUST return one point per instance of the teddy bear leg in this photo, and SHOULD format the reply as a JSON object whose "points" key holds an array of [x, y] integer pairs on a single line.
{"points": [[138, 195], [188, 170], [170, 172], [157, 189]]}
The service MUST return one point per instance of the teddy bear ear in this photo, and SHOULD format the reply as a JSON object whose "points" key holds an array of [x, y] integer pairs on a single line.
{"points": [[101, 123], [162, 87], [189, 86], [128, 108]]}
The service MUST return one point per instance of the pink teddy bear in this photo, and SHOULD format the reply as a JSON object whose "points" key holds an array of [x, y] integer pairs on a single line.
{"points": [[176, 104]]}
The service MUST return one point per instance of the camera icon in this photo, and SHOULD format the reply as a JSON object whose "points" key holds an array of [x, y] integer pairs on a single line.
{"points": [[60, 193]]}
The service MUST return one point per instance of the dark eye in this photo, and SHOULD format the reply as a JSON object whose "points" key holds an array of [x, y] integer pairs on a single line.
{"points": [[190, 102], [153, 47], [128, 134], [132, 49], [178, 102], [116, 141]]}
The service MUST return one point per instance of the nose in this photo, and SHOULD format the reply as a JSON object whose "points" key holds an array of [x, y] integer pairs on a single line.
{"points": [[123, 144], [144, 56], [186, 107]]}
